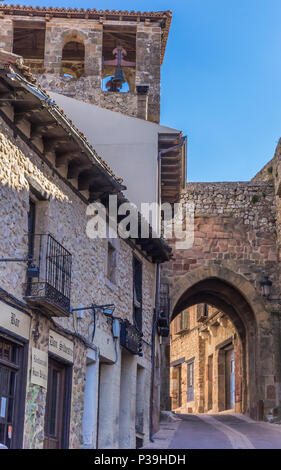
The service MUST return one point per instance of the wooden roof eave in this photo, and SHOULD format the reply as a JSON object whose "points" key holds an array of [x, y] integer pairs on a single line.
{"points": [[154, 246], [13, 88]]}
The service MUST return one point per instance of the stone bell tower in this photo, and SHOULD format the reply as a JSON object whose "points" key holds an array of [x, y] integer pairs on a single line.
{"points": [[109, 58]]}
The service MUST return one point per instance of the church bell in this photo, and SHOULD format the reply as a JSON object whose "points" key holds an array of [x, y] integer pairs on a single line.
{"points": [[119, 75]]}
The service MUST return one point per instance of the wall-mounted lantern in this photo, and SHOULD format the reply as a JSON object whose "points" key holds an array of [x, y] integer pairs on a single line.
{"points": [[266, 286], [32, 270], [106, 309], [163, 324]]}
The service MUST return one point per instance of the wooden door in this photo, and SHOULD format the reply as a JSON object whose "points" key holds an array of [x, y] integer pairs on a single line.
{"points": [[190, 381], [54, 414], [210, 382], [10, 379], [176, 387], [229, 380], [179, 386]]}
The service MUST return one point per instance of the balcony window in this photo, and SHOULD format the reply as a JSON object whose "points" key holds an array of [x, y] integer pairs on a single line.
{"points": [[49, 276]]}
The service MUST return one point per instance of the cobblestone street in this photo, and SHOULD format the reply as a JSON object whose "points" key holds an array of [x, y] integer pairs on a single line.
{"points": [[221, 431]]}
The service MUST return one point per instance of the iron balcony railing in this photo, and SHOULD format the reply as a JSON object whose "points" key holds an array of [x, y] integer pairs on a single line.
{"points": [[165, 299], [164, 313], [131, 338], [49, 275]]}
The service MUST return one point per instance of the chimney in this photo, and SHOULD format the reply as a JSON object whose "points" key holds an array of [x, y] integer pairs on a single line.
{"points": [[142, 91]]}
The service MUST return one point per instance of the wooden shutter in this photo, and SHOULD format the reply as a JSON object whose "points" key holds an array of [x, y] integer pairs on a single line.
{"points": [[206, 310], [202, 312], [185, 320]]}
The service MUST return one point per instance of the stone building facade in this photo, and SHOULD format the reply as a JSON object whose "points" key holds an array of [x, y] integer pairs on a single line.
{"points": [[205, 362], [81, 382], [232, 264], [73, 51]]}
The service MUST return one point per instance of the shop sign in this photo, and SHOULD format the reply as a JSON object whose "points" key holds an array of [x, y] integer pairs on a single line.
{"points": [[14, 320], [60, 346], [39, 368]]}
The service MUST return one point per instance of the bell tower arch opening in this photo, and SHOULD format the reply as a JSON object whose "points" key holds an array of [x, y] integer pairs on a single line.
{"points": [[119, 59], [73, 56]]}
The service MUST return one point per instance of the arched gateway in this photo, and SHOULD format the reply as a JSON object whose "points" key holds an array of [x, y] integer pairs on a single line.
{"points": [[234, 249], [234, 296]]}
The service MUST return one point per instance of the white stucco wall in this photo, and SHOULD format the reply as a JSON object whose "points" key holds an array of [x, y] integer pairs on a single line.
{"points": [[129, 145]]}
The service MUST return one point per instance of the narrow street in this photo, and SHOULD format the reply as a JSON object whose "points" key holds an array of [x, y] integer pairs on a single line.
{"points": [[220, 431]]}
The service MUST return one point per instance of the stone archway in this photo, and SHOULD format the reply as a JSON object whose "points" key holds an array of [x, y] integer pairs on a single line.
{"points": [[238, 299], [236, 244], [73, 55]]}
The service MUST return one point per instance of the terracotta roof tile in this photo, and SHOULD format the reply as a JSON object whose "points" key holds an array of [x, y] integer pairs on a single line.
{"points": [[165, 16]]}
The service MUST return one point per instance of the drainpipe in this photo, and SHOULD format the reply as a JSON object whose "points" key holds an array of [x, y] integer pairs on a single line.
{"points": [[142, 101], [153, 337]]}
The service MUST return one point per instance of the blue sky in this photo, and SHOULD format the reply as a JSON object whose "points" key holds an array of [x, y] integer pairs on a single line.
{"points": [[221, 80]]}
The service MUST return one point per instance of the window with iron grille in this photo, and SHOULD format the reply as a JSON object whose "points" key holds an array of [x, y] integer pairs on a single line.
{"points": [[58, 266], [165, 299], [49, 269], [51, 282], [137, 292]]}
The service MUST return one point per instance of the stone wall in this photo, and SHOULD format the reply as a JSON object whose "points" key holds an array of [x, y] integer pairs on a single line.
{"points": [[273, 171], [148, 66], [6, 33], [84, 89], [235, 226], [266, 173]]}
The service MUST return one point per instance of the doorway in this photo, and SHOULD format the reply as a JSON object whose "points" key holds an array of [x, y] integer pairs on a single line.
{"points": [[190, 380], [176, 387], [11, 393], [210, 382], [57, 411], [214, 289], [229, 379], [126, 402], [140, 398]]}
